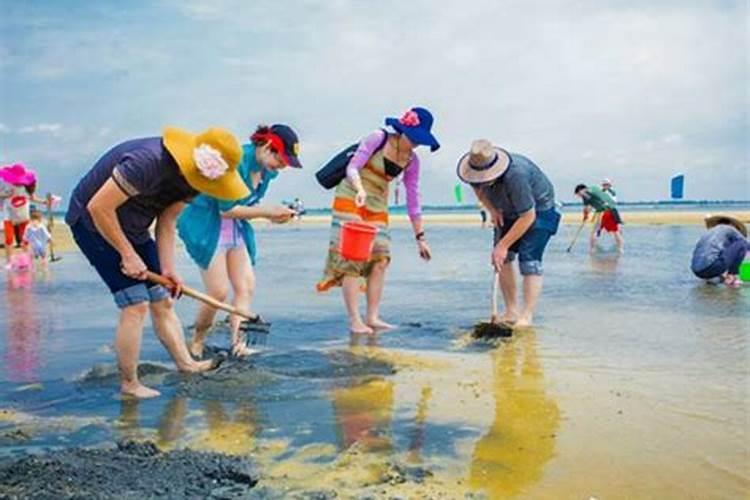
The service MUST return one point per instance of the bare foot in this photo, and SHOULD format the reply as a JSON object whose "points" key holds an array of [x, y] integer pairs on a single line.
{"points": [[198, 366], [196, 349], [241, 350], [524, 322], [359, 327], [138, 390], [509, 319], [379, 324]]}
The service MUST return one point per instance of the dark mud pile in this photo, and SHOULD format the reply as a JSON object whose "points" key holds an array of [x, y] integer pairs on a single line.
{"points": [[130, 471]]}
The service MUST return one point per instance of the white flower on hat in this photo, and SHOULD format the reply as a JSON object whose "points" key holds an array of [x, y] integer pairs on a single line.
{"points": [[209, 161]]}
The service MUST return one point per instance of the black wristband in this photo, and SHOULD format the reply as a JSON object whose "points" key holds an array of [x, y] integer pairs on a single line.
{"points": [[419, 236]]}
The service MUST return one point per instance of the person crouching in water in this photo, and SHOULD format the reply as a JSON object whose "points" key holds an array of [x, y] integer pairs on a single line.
{"points": [[111, 210], [721, 250], [606, 207], [36, 237], [521, 200], [219, 238]]}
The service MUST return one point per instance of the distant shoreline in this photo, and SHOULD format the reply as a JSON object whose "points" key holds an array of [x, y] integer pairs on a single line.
{"points": [[624, 206], [64, 241]]}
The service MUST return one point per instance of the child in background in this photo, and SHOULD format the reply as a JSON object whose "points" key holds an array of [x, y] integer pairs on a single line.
{"points": [[36, 237], [608, 188]]}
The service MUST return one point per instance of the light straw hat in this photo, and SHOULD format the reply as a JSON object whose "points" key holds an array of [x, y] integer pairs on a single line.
{"points": [[483, 163]]}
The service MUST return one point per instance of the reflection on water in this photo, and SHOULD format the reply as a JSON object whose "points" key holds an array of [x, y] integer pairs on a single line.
{"points": [[230, 427], [521, 438], [604, 263], [24, 328], [417, 438], [648, 365], [363, 413], [172, 422]]}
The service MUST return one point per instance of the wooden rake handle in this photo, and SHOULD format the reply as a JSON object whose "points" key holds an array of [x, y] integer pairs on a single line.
{"points": [[206, 299]]}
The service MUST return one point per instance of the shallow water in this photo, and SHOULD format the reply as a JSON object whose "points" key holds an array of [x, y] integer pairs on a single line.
{"points": [[634, 384]]}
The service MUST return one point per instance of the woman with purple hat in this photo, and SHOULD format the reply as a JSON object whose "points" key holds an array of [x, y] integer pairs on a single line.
{"points": [[363, 196], [218, 235]]}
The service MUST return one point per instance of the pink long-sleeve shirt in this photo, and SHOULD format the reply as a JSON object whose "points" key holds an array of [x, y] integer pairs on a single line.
{"points": [[366, 149]]}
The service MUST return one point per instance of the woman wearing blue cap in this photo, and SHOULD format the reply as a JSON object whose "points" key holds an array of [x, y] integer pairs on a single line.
{"points": [[363, 196], [220, 239]]}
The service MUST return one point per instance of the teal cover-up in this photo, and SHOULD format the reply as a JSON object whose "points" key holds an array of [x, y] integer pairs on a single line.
{"points": [[200, 222]]}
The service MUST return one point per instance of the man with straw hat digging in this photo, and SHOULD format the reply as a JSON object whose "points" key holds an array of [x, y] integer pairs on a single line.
{"points": [[521, 200], [111, 209], [721, 250]]}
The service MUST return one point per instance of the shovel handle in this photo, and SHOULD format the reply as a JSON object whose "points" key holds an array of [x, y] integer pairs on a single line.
{"points": [[575, 238], [195, 294], [495, 280]]}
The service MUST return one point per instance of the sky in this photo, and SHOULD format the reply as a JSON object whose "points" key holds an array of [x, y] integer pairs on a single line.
{"points": [[634, 90]]}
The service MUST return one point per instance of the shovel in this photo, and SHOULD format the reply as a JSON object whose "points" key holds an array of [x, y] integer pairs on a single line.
{"points": [[206, 299], [575, 238], [492, 329], [257, 337]]}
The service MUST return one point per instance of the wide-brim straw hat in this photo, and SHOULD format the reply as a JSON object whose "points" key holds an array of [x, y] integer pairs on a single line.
{"points": [[218, 152], [713, 220], [483, 163]]}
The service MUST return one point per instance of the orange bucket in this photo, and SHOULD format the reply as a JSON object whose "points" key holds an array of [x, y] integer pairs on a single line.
{"points": [[356, 240]]}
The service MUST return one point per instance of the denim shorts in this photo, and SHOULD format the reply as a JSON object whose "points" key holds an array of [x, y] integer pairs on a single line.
{"points": [[530, 247], [106, 260]]}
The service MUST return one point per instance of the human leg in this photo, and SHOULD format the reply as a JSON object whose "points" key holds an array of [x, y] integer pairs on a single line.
{"points": [[350, 291], [530, 254], [509, 291], [169, 330], [128, 348], [375, 285], [242, 279], [215, 282]]}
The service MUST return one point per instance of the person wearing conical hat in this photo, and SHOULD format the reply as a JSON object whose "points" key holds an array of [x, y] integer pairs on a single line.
{"points": [[720, 251], [521, 200], [135, 184]]}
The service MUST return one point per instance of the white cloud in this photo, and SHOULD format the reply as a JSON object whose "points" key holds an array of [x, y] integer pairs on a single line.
{"points": [[40, 128], [575, 86], [672, 139], [4, 128]]}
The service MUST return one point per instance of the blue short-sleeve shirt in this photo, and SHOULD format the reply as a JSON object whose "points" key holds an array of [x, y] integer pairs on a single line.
{"points": [[146, 172]]}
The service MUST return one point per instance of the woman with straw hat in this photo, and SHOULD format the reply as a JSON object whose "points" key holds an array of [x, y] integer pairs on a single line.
{"points": [[721, 250], [218, 235], [522, 202], [111, 210], [363, 195]]}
